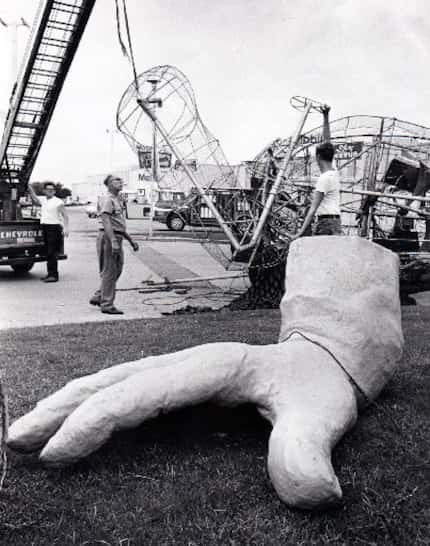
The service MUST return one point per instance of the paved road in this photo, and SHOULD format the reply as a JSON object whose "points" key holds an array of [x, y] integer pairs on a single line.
{"points": [[28, 302]]}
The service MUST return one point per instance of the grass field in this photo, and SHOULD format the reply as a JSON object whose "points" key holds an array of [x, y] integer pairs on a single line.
{"points": [[198, 477]]}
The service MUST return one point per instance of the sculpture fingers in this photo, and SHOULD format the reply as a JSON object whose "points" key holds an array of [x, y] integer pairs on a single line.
{"points": [[32, 431], [202, 373]]}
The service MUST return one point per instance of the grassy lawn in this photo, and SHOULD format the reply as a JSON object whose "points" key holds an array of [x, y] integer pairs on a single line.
{"points": [[198, 477]]}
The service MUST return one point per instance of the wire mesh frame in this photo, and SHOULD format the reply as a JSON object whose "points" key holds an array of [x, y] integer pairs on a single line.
{"points": [[259, 233], [387, 138], [157, 86], [174, 102], [168, 84], [383, 139], [398, 133], [162, 86]]}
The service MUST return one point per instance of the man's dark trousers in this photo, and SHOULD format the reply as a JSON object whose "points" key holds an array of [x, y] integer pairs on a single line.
{"points": [[53, 237]]}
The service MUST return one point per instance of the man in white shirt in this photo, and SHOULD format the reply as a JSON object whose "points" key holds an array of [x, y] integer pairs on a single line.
{"points": [[326, 200], [54, 222]]}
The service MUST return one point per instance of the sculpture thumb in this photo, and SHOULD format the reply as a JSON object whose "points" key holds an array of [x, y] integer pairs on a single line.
{"points": [[299, 464]]}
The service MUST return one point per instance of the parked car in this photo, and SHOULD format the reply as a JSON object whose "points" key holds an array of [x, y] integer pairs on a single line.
{"points": [[194, 211], [91, 210]]}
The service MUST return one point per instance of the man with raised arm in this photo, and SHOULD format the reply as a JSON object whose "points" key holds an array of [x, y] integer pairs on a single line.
{"points": [[326, 200], [109, 245], [55, 225]]}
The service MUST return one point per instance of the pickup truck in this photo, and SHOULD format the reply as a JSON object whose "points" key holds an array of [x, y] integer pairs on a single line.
{"points": [[22, 244], [193, 211]]}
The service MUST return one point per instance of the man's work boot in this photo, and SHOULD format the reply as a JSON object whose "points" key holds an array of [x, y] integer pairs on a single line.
{"points": [[51, 279], [112, 311]]}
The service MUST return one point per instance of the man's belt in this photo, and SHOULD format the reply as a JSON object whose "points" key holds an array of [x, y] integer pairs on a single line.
{"points": [[115, 231], [325, 216]]}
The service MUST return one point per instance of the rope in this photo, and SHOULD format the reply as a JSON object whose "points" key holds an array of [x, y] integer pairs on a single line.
{"points": [[127, 53], [118, 28], [130, 46], [359, 390]]}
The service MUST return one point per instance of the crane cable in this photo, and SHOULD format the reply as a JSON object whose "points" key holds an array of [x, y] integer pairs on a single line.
{"points": [[126, 52]]}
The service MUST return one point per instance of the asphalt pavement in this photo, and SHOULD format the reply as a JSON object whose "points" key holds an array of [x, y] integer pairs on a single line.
{"points": [[163, 256], [26, 301]]}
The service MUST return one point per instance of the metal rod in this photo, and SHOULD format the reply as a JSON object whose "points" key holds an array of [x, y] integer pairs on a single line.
{"points": [[190, 175], [405, 207], [272, 194], [279, 179], [196, 279], [386, 195]]}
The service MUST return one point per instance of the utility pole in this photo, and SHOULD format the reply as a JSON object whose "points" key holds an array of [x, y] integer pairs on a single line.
{"points": [[111, 132], [10, 210], [154, 103], [155, 159], [14, 43]]}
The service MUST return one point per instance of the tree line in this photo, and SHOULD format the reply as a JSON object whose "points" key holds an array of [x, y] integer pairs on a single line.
{"points": [[60, 191]]}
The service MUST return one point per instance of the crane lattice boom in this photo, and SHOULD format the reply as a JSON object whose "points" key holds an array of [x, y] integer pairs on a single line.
{"points": [[56, 35]]}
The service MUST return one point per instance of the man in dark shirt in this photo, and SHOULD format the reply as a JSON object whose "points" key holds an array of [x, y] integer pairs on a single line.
{"points": [[109, 245]]}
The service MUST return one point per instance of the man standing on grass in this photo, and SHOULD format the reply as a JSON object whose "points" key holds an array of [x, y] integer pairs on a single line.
{"points": [[55, 224], [326, 200], [109, 245]]}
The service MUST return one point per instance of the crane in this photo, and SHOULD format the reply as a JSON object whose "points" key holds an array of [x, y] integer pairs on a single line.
{"points": [[56, 34]]}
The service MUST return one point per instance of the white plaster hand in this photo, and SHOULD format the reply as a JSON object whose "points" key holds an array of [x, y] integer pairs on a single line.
{"points": [[308, 385]]}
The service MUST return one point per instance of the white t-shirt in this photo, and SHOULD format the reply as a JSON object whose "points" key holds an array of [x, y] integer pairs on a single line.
{"points": [[49, 213], [329, 184]]}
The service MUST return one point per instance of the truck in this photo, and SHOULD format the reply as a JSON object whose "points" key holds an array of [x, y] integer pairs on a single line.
{"points": [[57, 30]]}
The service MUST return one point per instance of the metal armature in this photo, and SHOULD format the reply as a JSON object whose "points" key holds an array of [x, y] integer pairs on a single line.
{"points": [[283, 173], [169, 97], [367, 149], [161, 107], [267, 206]]}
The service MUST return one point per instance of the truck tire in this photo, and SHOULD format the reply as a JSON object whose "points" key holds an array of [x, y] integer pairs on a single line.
{"points": [[22, 269], [175, 222]]}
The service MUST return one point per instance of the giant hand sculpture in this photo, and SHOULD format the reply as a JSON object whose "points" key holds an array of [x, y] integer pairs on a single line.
{"points": [[340, 340]]}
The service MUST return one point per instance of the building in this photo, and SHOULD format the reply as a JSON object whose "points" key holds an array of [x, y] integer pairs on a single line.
{"points": [[138, 183]]}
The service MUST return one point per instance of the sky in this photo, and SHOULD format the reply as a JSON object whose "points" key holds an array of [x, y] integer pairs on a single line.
{"points": [[244, 59]]}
